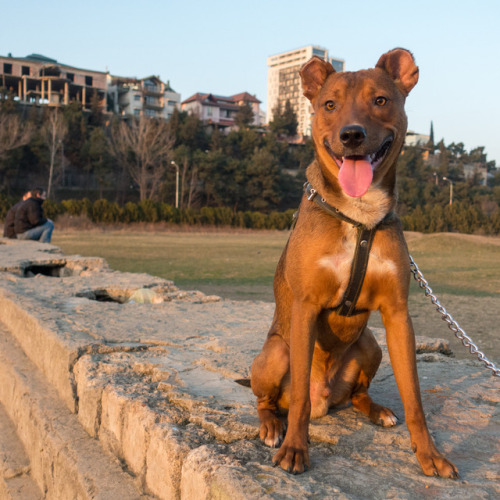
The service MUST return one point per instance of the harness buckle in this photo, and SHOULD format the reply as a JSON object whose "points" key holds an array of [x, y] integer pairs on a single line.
{"points": [[312, 194]]}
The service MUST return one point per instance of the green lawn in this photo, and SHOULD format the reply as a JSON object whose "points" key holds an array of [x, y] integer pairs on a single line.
{"points": [[457, 263], [234, 265], [241, 265]]}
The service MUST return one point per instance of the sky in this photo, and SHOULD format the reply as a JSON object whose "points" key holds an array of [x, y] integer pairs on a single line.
{"points": [[222, 46]]}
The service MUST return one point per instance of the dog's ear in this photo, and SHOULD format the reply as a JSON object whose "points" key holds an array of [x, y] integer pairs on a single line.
{"points": [[314, 74], [400, 65]]}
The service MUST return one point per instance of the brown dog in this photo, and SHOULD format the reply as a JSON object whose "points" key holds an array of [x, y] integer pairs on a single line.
{"points": [[319, 351]]}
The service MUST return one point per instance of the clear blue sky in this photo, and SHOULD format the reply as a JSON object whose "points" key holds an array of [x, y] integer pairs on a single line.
{"points": [[221, 46]]}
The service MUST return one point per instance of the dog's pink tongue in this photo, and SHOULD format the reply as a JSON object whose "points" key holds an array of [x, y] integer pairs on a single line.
{"points": [[355, 176]]}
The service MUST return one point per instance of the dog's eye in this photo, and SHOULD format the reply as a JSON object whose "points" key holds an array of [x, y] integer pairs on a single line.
{"points": [[381, 100], [330, 105]]}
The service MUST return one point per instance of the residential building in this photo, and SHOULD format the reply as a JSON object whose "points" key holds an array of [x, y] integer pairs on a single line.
{"points": [[476, 171], [40, 80], [415, 139], [283, 83], [147, 96], [219, 111]]}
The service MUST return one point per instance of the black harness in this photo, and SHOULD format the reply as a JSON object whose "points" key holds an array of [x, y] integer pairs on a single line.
{"points": [[347, 306]]}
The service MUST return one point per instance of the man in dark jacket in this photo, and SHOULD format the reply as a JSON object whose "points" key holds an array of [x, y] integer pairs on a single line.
{"points": [[30, 224], [8, 227]]}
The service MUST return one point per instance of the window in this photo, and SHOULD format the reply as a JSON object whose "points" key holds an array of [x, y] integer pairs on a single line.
{"points": [[70, 77], [137, 97], [151, 88], [337, 65], [25, 70], [7, 68], [88, 81], [319, 53]]}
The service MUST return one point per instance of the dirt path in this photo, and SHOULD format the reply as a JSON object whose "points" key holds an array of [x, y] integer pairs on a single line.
{"points": [[479, 317]]}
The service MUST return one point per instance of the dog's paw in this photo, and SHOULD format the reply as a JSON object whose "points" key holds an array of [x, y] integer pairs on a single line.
{"points": [[272, 431], [382, 416], [387, 418], [433, 463], [292, 458]]}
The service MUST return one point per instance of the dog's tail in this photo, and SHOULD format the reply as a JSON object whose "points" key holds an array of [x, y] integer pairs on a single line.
{"points": [[245, 382]]}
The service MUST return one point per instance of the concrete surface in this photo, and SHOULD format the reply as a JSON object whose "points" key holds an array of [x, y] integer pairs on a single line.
{"points": [[150, 389]]}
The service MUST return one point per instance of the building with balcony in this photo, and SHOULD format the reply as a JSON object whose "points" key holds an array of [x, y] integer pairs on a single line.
{"points": [[283, 83], [219, 111], [40, 80], [142, 97]]}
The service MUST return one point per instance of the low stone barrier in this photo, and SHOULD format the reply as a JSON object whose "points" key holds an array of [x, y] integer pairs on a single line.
{"points": [[148, 372]]}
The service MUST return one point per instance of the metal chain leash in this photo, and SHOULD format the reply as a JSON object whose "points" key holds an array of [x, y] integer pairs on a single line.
{"points": [[452, 324]]}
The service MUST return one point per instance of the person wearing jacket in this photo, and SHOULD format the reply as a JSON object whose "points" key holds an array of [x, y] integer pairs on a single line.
{"points": [[30, 224], [8, 227]]}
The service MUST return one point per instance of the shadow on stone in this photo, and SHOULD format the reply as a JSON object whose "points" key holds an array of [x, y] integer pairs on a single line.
{"points": [[102, 295], [51, 270]]}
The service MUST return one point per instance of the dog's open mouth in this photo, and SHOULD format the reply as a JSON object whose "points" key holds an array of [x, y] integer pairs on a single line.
{"points": [[356, 171]]}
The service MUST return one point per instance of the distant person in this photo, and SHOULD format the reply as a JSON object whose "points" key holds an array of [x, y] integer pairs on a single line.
{"points": [[30, 224], [8, 227]]}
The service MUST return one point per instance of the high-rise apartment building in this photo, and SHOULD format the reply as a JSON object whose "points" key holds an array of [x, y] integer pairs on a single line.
{"points": [[283, 83]]}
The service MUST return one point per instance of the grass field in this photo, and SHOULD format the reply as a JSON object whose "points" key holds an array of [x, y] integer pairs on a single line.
{"points": [[234, 265], [463, 271], [241, 265]]}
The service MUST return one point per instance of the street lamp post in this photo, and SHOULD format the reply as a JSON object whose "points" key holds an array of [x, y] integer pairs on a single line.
{"points": [[451, 189], [176, 183]]}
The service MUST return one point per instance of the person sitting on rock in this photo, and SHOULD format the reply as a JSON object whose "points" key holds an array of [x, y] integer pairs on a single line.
{"points": [[8, 227], [30, 224]]}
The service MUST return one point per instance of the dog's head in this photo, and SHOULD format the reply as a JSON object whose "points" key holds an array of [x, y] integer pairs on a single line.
{"points": [[359, 123]]}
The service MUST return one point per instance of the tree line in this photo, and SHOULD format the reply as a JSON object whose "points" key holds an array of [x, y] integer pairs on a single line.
{"points": [[427, 176], [87, 155]]}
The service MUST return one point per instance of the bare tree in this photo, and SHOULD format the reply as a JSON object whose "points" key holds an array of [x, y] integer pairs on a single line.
{"points": [[187, 168], [53, 132], [14, 133], [192, 186], [144, 147]]}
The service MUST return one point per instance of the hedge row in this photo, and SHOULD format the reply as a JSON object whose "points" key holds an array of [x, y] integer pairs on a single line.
{"points": [[107, 212], [460, 217]]}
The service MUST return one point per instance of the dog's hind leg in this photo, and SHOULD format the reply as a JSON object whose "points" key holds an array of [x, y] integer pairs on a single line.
{"points": [[354, 377], [268, 371]]}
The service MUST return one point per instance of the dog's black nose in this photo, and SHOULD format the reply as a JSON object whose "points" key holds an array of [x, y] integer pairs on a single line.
{"points": [[352, 136]]}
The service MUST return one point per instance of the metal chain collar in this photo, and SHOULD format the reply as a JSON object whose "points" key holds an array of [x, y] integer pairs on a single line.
{"points": [[452, 324]]}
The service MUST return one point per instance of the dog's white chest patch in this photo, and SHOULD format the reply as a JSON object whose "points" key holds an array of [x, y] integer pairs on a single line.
{"points": [[340, 264], [381, 266]]}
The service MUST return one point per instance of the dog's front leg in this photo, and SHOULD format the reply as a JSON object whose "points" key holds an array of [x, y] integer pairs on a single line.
{"points": [[293, 455], [401, 345]]}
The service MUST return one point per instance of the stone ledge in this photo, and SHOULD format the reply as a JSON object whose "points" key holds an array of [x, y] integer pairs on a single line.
{"points": [[64, 461]]}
